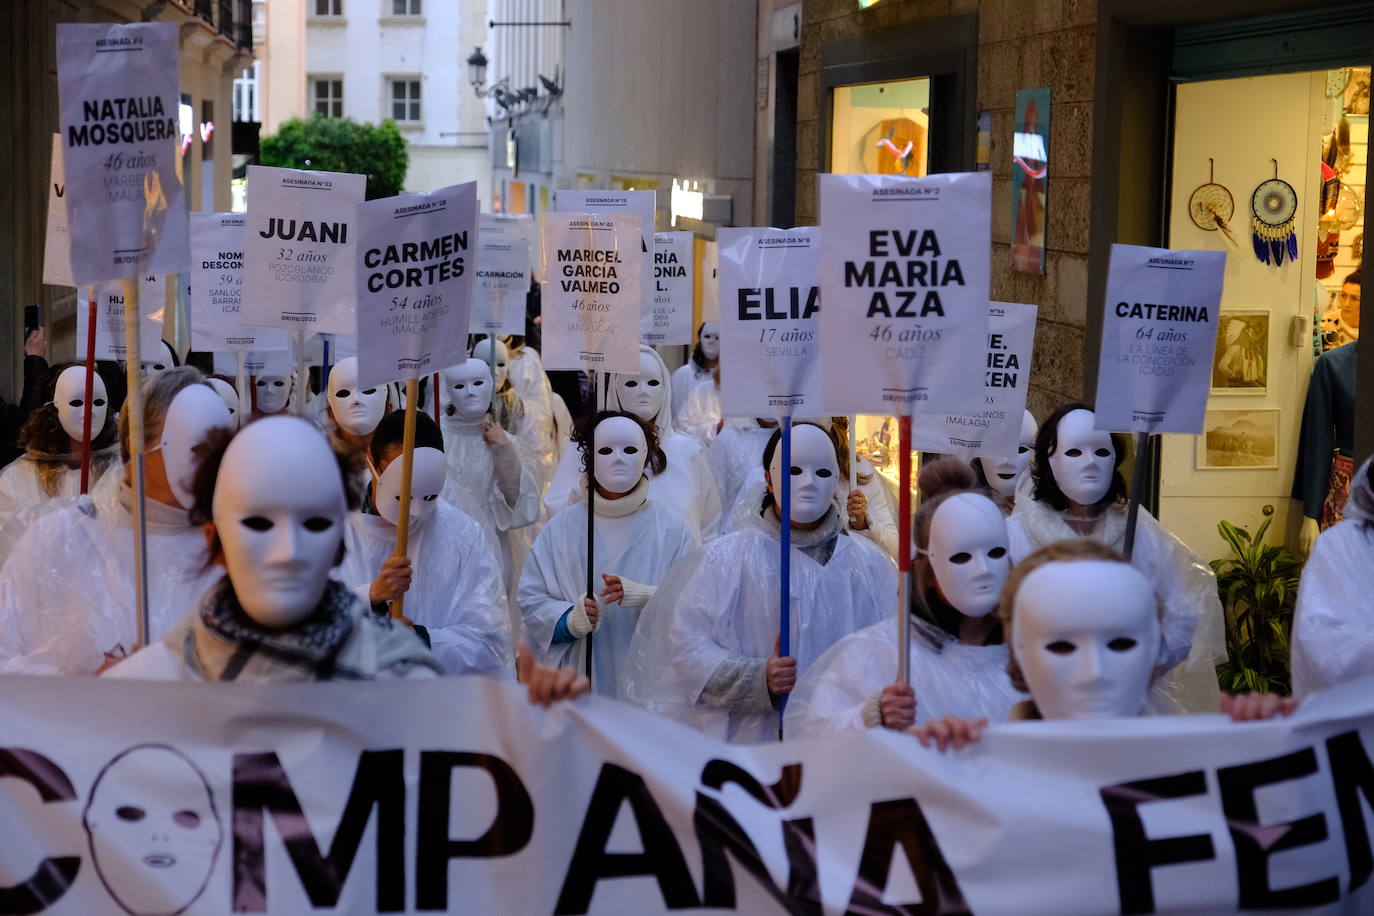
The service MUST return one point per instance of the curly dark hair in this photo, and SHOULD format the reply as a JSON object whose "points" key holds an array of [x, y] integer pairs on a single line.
{"points": [[1045, 489], [657, 461], [698, 357], [43, 432]]}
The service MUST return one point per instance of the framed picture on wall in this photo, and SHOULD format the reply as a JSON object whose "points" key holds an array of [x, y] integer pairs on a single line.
{"points": [[1240, 363], [1239, 439]]}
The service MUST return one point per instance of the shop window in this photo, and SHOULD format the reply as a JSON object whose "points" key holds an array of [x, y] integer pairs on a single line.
{"points": [[405, 100], [880, 128], [326, 97]]}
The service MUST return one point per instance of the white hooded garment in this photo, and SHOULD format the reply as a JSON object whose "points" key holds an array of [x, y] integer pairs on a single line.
{"points": [[67, 589], [641, 546], [20, 488], [714, 621], [531, 385], [700, 415], [1193, 626], [882, 522], [948, 678], [685, 380], [456, 593], [736, 459]]}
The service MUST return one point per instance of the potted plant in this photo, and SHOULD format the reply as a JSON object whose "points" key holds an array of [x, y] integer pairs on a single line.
{"points": [[1258, 585]]}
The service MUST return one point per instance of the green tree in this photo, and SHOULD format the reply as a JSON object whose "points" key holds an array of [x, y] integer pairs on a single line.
{"points": [[341, 145]]}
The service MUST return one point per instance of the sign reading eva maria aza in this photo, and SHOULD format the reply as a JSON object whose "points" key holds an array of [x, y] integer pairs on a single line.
{"points": [[299, 249], [217, 289], [593, 268], [414, 282], [1159, 330], [669, 321], [904, 277], [770, 308], [119, 95]]}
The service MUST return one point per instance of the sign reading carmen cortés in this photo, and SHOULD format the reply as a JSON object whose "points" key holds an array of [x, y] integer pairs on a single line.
{"points": [[119, 95], [593, 265], [299, 249]]}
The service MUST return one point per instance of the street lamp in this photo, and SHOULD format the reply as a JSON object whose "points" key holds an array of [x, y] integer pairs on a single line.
{"points": [[477, 70]]}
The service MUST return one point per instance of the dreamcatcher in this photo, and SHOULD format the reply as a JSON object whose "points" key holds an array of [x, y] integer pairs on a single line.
{"points": [[1275, 208], [1211, 206]]}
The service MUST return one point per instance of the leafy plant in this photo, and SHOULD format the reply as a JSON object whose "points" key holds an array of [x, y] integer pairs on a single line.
{"points": [[341, 145], [1258, 585]]}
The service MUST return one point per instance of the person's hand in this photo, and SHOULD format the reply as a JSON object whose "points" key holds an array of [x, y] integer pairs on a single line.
{"points": [[548, 685], [36, 344], [393, 581], [111, 658], [897, 705], [781, 671], [492, 431], [614, 590], [1307, 535], [589, 606], [858, 510], [1256, 707], [949, 732]]}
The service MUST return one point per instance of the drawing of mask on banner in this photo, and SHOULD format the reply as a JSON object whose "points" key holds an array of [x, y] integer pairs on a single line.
{"points": [[426, 483], [968, 552], [621, 451], [1086, 635], [227, 394], [710, 340], [69, 397], [815, 470], [194, 411], [1003, 474], [468, 389], [1084, 459], [642, 394], [154, 841], [356, 411], [482, 350], [160, 362], [273, 392]]}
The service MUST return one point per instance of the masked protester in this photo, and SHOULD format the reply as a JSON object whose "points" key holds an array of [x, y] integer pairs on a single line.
{"points": [[637, 540], [454, 598], [67, 600], [353, 410], [705, 359], [1077, 491], [700, 416], [228, 394], [707, 649], [162, 359], [271, 394], [957, 661], [734, 460], [1007, 475]]}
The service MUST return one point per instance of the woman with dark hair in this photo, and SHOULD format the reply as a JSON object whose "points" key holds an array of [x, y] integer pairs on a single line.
{"points": [[1077, 491], [697, 370], [708, 650], [637, 541], [957, 660]]}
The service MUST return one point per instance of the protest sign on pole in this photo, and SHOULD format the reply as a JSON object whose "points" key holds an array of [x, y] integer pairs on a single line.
{"points": [[669, 319], [217, 289], [994, 431], [641, 203], [769, 323], [57, 244], [502, 280], [110, 342], [591, 294]]}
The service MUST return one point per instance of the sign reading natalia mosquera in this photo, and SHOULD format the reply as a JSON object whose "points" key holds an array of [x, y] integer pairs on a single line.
{"points": [[669, 321], [501, 281], [217, 289], [1159, 329], [995, 430], [299, 249], [414, 282], [904, 276], [770, 310], [119, 96], [109, 319], [592, 273]]}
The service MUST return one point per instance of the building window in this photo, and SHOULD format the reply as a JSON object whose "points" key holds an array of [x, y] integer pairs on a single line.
{"points": [[405, 100], [328, 7], [327, 97], [405, 7], [246, 95]]}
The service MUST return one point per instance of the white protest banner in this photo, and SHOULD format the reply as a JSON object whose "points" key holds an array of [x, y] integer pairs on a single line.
{"points": [[592, 273], [1159, 331], [299, 249], [119, 94], [414, 282], [217, 289], [502, 278], [710, 283], [109, 319], [57, 244], [993, 431], [669, 319], [643, 203], [904, 275], [769, 322], [144, 797]]}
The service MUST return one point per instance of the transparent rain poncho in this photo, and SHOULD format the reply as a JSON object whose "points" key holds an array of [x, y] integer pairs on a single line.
{"points": [[641, 546], [736, 459], [1193, 625], [526, 372], [706, 635], [700, 415], [457, 593], [686, 378], [67, 589], [882, 523], [948, 678]]}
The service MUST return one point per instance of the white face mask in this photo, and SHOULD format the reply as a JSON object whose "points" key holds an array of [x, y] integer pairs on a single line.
{"points": [[227, 394], [642, 394], [1084, 460], [710, 340], [279, 512], [160, 363], [815, 471], [1004, 474], [1086, 635], [482, 350], [426, 483], [968, 553], [273, 392], [469, 389], [194, 411], [356, 411], [69, 397], [621, 452]]}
